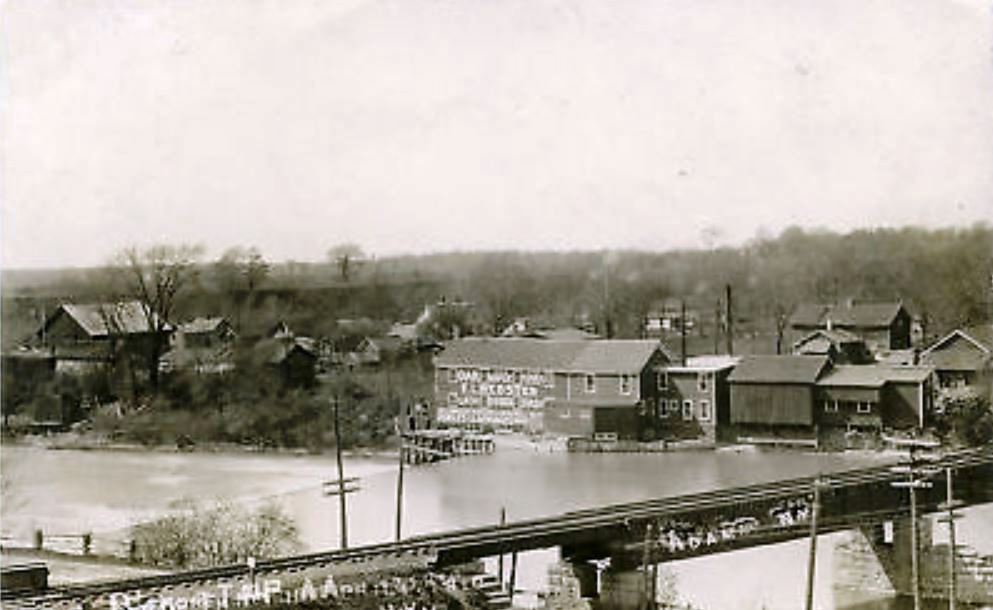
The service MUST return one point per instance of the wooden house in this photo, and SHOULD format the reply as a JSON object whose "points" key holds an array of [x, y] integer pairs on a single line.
{"points": [[80, 336], [962, 357], [881, 325], [567, 388], [775, 395], [694, 399]]}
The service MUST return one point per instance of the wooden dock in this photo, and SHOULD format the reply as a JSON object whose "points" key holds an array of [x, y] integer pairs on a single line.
{"points": [[436, 445]]}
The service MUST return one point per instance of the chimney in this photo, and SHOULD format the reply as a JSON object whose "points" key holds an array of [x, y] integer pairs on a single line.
{"points": [[829, 323]]}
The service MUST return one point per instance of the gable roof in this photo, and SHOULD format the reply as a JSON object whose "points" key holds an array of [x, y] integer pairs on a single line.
{"points": [[873, 375], [202, 325], [104, 319], [606, 356], [779, 369], [835, 336], [978, 338], [855, 315], [275, 351]]}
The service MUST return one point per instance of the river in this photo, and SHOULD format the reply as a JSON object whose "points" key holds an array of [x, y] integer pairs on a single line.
{"points": [[103, 491]]}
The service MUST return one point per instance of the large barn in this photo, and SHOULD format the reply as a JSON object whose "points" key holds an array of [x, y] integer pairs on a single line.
{"points": [[568, 388]]}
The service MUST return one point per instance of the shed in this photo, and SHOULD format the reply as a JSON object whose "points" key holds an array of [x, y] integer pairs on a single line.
{"points": [[775, 390]]}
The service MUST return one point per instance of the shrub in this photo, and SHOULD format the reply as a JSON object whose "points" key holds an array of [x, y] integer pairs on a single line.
{"points": [[221, 534]]}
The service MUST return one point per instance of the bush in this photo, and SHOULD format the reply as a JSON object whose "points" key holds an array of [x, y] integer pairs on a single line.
{"points": [[209, 536], [967, 420]]}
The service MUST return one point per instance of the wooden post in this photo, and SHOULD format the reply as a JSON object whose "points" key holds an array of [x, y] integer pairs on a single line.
{"points": [[341, 477], [646, 601], [513, 576], [400, 451], [682, 330], [950, 500], [730, 320], [503, 521], [812, 557], [915, 575]]}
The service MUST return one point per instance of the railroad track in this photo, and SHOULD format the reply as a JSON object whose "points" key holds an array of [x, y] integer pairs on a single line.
{"points": [[518, 535]]}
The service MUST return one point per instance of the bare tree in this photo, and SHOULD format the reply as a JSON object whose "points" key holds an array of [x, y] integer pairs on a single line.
{"points": [[240, 271], [346, 257], [155, 276]]}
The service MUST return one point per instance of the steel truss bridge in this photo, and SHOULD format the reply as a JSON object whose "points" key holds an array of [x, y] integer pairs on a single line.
{"points": [[630, 533]]}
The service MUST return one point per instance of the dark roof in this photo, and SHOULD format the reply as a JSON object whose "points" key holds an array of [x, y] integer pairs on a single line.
{"points": [[104, 319], [609, 356], [851, 315], [275, 351], [779, 369]]}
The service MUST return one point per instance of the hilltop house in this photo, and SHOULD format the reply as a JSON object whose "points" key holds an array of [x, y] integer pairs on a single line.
{"points": [[80, 336], [204, 345], [883, 326], [670, 317]]}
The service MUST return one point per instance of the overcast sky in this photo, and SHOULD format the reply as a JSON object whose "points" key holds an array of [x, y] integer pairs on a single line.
{"points": [[423, 125]]}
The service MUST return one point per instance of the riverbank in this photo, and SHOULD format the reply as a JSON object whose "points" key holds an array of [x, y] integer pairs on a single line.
{"points": [[75, 441]]}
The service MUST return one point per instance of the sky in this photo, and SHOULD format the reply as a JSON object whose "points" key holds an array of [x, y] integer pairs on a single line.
{"points": [[413, 126]]}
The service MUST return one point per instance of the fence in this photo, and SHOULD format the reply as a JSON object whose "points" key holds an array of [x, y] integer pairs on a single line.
{"points": [[83, 545]]}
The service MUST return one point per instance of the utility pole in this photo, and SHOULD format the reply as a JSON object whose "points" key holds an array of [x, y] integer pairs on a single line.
{"points": [[913, 483], [608, 331], [950, 505], [730, 319], [682, 329], [341, 476], [717, 327], [400, 452], [812, 557]]}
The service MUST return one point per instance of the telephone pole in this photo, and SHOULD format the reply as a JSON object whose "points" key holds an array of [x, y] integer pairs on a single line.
{"points": [[341, 476], [812, 557], [730, 319]]}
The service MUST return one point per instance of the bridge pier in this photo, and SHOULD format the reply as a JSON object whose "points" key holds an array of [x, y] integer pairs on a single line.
{"points": [[575, 584], [878, 558]]}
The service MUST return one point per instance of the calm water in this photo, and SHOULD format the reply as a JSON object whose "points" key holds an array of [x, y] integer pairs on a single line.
{"points": [[75, 491]]}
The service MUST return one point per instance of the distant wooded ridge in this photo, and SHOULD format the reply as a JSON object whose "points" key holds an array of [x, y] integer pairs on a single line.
{"points": [[941, 274]]}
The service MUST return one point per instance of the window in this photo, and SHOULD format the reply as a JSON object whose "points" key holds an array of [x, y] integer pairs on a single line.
{"points": [[453, 375], [626, 384], [687, 410], [864, 407], [590, 384], [703, 382], [830, 406], [662, 380], [453, 399], [674, 407], [704, 410]]}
